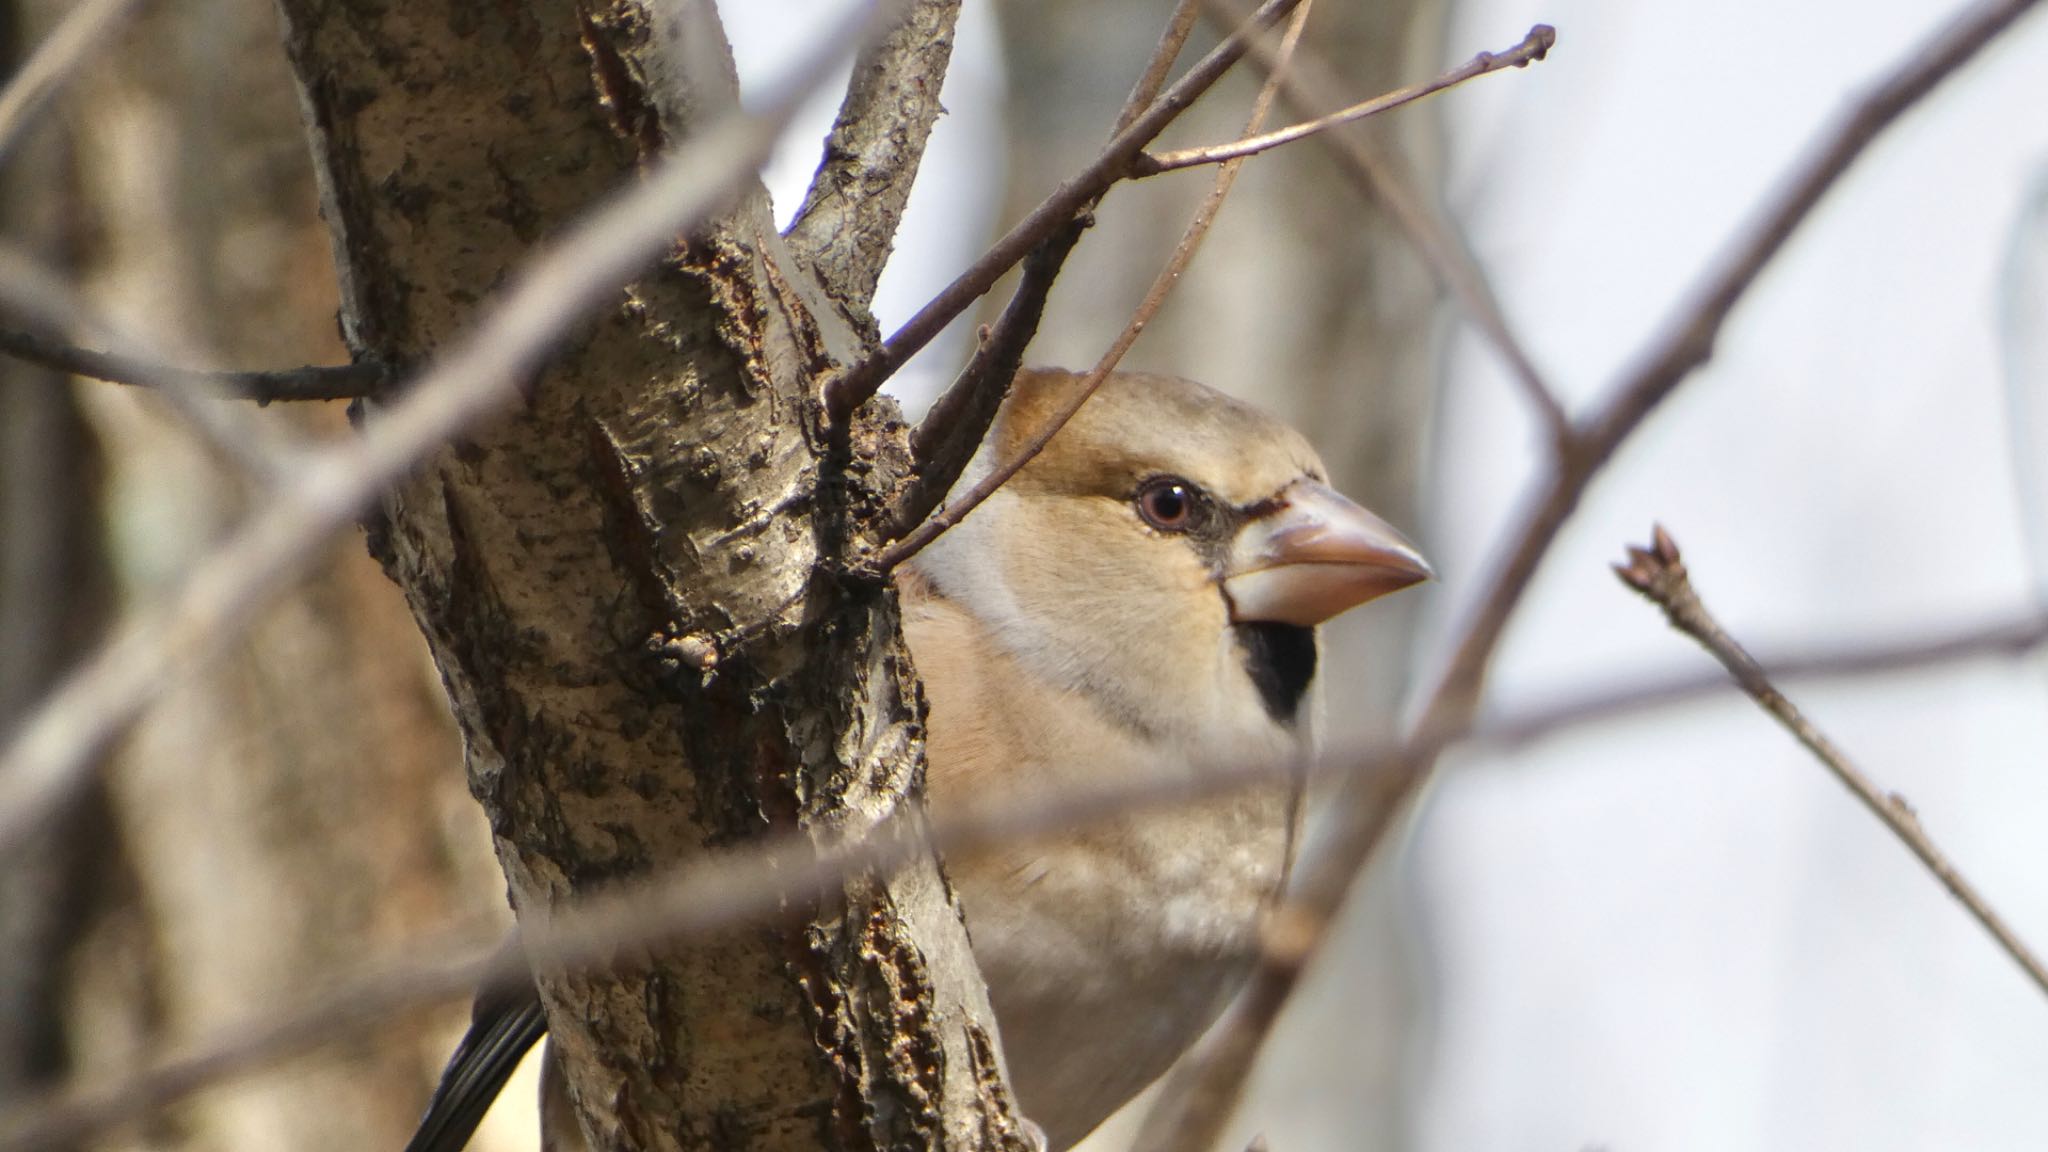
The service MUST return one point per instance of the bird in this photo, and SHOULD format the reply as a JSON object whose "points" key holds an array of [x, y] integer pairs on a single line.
{"points": [[1142, 596]]}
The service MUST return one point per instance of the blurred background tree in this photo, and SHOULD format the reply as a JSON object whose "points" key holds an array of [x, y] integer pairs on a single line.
{"points": [[299, 805]]}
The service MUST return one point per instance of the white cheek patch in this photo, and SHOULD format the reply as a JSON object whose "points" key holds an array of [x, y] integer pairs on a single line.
{"points": [[966, 564]]}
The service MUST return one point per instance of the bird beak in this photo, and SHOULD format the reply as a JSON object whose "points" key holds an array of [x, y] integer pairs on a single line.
{"points": [[1311, 554]]}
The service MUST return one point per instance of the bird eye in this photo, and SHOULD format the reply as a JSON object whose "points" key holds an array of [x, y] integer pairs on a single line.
{"points": [[1168, 504]]}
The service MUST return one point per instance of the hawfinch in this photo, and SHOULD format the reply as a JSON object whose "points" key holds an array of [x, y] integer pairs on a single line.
{"points": [[1141, 597]]}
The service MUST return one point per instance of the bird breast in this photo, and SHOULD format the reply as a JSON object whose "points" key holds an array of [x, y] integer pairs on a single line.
{"points": [[1108, 950]]}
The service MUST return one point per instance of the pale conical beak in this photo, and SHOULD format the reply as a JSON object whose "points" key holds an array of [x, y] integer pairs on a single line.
{"points": [[1315, 554]]}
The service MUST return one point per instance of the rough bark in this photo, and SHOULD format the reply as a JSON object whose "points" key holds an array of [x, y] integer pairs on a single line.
{"points": [[847, 225], [667, 491]]}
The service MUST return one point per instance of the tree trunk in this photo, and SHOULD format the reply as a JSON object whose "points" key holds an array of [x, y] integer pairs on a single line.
{"points": [[667, 490]]}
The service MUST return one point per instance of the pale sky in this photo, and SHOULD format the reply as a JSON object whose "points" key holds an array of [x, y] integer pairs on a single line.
{"points": [[1682, 934]]}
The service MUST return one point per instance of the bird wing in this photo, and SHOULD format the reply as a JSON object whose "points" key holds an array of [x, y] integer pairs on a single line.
{"points": [[501, 1028]]}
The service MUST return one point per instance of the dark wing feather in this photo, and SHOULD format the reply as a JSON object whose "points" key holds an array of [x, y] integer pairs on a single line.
{"points": [[501, 1028]]}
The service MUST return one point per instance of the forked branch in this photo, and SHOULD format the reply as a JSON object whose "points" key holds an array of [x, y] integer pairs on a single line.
{"points": [[946, 439], [861, 381], [848, 220]]}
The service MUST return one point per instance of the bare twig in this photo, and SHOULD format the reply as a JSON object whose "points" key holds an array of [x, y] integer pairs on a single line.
{"points": [[1174, 37], [1312, 87], [946, 439], [1357, 829], [1155, 296], [861, 381], [762, 879], [34, 294], [55, 61], [1658, 572], [1532, 49], [944, 442], [322, 494], [850, 213], [314, 382], [767, 878]]}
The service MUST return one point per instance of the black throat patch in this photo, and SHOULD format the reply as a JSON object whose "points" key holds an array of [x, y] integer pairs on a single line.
{"points": [[1281, 659]]}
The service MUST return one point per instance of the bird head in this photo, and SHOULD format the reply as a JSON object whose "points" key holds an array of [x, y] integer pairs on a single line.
{"points": [[1167, 556]]}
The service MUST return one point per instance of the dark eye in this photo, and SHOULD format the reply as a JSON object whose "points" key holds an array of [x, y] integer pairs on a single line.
{"points": [[1168, 504]]}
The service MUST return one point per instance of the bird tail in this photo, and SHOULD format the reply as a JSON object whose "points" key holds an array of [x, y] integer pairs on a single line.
{"points": [[501, 1029]]}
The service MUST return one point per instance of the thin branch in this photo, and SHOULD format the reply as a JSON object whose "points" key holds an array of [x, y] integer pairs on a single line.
{"points": [[946, 439], [47, 755], [1172, 39], [1312, 87], [1532, 49], [1658, 572], [314, 382], [861, 381], [1358, 828], [55, 61], [847, 224], [715, 893], [34, 294], [1155, 296]]}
